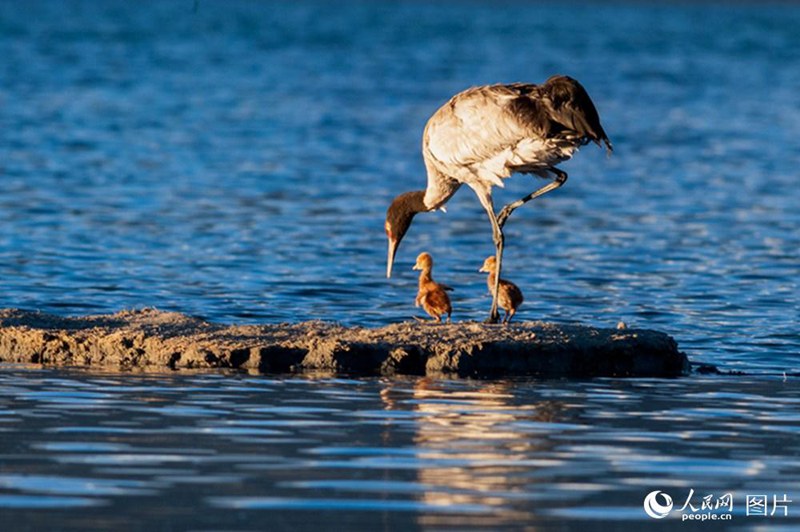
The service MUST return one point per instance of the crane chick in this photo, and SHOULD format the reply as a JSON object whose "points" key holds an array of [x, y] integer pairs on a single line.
{"points": [[509, 296], [431, 295]]}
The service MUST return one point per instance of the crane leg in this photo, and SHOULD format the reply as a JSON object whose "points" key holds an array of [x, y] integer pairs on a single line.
{"points": [[499, 241], [485, 197], [561, 178]]}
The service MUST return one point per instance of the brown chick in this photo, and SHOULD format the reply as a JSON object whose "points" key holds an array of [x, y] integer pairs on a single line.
{"points": [[431, 295], [509, 296]]}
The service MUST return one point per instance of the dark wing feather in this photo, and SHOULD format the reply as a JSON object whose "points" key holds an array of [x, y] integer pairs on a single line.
{"points": [[570, 106], [531, 113]]}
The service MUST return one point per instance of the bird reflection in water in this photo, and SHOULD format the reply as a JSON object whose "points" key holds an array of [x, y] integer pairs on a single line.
{"points": [[476, 451]]}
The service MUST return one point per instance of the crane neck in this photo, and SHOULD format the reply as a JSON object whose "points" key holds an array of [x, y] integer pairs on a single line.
{"points": [[440, 188], [406, 205]]}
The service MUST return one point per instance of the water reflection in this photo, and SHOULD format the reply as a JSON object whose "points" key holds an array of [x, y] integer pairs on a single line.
{"points": [[470, 435], [407, 451], [481, 445]]}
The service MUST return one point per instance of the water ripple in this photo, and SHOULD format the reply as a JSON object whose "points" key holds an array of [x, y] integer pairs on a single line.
{"points": [[417, 447], [234, 161], [344, 505], [259, 200]]}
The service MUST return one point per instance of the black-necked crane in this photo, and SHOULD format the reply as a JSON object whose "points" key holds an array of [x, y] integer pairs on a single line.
{"points": [[484, 135]]}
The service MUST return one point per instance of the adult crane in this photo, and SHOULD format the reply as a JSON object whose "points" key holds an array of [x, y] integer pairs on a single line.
{"points": [[484, 135]]}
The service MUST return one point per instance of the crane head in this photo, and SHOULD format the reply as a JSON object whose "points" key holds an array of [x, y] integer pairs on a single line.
{"points": [[398, 219]]}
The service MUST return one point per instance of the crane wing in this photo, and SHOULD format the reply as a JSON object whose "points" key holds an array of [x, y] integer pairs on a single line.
{"points": [[489, 132], [486, 133], [475, 134]]}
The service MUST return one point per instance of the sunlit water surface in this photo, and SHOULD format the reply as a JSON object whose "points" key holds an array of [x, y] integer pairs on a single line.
{"points": [[234, 160], [238, 452]]}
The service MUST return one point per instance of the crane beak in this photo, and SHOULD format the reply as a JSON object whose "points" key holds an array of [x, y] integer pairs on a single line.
{"points": [[390, 258], [483, 270]]}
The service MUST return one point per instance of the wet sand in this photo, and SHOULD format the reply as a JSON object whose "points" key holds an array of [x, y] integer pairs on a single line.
{"points": [[155, 340]]}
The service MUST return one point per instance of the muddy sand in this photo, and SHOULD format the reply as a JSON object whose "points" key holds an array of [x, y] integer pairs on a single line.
{"points": [[153, 339]]}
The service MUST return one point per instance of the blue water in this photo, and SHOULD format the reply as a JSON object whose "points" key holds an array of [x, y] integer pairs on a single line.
{"points": [[94, 451], [234, 160]]}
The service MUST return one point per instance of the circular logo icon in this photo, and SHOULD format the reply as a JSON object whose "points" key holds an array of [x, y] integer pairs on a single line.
{"points": [[655, 509]]}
